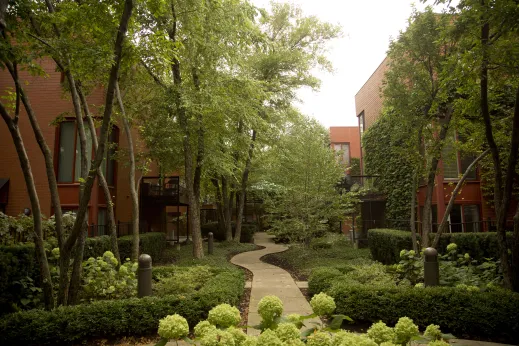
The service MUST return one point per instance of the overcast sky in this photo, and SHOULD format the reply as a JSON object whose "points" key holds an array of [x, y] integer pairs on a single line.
{"points": [[367, 27]]}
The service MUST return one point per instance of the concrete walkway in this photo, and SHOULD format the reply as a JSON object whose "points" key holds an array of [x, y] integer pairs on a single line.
{"points": [[270, 280]]}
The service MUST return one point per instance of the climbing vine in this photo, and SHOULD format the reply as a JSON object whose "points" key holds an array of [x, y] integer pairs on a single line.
{"points": [[386, 155]]}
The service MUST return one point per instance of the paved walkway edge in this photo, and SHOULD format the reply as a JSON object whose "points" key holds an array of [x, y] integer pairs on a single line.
{"points": [[270, 280]]}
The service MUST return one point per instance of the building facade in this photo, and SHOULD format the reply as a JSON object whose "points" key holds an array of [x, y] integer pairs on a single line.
{"points": [[471, 212], [55, 114]]}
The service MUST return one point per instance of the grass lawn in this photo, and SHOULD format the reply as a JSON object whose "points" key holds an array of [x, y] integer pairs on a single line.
{"points": [[332, 250]]}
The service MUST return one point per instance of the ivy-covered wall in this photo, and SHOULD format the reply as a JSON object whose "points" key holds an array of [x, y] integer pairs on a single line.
{"points": [[384, 144]]}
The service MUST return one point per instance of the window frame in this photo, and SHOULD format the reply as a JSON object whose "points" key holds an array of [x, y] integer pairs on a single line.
{"points": [[349, 151], [57, 158]]}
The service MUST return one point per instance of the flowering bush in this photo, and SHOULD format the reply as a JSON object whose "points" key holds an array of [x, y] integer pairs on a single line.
{"points": [[433, 332], [269, 338], [269, 308], [221, 330], [102, 280], [224, 316], [380, 332], [405, 329], [322, 304], [319, 339], [173, 327], [287, 331], [202, 328]]}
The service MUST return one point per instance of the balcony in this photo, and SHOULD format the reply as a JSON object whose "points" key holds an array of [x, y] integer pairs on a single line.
{"points": [[162, 191]]}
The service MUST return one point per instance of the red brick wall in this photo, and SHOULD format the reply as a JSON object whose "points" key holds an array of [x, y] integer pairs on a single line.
{"points": [[347, 134], [368, 98], [49, 101]]}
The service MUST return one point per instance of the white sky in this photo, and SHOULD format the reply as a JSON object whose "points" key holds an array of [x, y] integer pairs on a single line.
{"points": [[367, 27]]}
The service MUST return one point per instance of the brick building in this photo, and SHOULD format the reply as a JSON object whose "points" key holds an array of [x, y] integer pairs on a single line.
{"points": [[471, 212], [347, 140], [49, 102]]}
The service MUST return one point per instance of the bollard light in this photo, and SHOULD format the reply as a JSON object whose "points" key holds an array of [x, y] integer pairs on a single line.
{"points": [[431, 269], [210, 243], [144, 276]]}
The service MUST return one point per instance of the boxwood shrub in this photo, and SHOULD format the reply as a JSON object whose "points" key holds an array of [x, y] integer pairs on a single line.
{"points": [[117, 318], [247, 231], [492, 315], [385, 244], [16, 263]]}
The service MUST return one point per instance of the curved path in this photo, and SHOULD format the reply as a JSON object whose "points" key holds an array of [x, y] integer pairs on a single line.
{"points": [[270, 280]]}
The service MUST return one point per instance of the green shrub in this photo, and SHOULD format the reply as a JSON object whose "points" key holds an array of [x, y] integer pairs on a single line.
{"points": [[182, 280], [17, 262], [491, 315], [385, 244], [247, 231], [115, 318], [150, 243], [322, 279]]}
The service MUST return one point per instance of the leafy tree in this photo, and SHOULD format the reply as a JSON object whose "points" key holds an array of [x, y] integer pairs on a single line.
{"points": [[299, 175]]}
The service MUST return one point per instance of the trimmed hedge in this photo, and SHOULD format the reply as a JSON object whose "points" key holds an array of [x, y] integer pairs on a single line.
{"points": [[19, 261], [16, 263], [385, 244], [492, 315], [247, 231], [116, 318]]}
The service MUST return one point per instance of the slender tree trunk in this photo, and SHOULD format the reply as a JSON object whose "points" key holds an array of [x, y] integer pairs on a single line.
{"points": [[83, 203], [133, 189], [501, 202], [455, 193], [219, 206], [112, 232], [427, 222], [412, 221], [227, 207], [47, 154], [241, 196], [12, 125], [193, 175], [515, 252]]}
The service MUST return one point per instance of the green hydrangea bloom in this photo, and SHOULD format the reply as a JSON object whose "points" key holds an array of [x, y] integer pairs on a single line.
{"points": [[218, 338], [438, 343], [452, 247], [269, 338], [287, 331], [238, 335], [350, 339], [293, 318], [405, 329], [387, 343], [319, 339], [433, 332], [173, 327], [249, 341], [224, 316], [322, 304], [202, 328], [294, 342], [380, 332], [270, 307]]}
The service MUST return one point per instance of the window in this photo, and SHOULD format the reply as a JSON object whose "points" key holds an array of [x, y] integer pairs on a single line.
{"points": [[69, 156], [455, 220], [455, 163], [361, 123], [344, 150], [471, 218], [101, 221]]}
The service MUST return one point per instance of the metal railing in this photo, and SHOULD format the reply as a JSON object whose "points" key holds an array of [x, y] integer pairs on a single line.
{"points": [[121, 228]]}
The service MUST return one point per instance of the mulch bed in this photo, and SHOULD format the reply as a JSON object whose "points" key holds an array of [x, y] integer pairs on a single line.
{"points": [[244, 307]]}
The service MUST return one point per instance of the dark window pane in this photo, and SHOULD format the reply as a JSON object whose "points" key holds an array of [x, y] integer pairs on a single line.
{"points": [[77, 174], [471, 218], [66, 151], [450, 161], [466, 160], [101, 221], [110, 167], [455, 219]]}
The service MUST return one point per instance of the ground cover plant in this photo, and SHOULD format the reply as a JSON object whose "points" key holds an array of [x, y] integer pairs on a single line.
{"points": [[331, 251], [277, 330]]}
